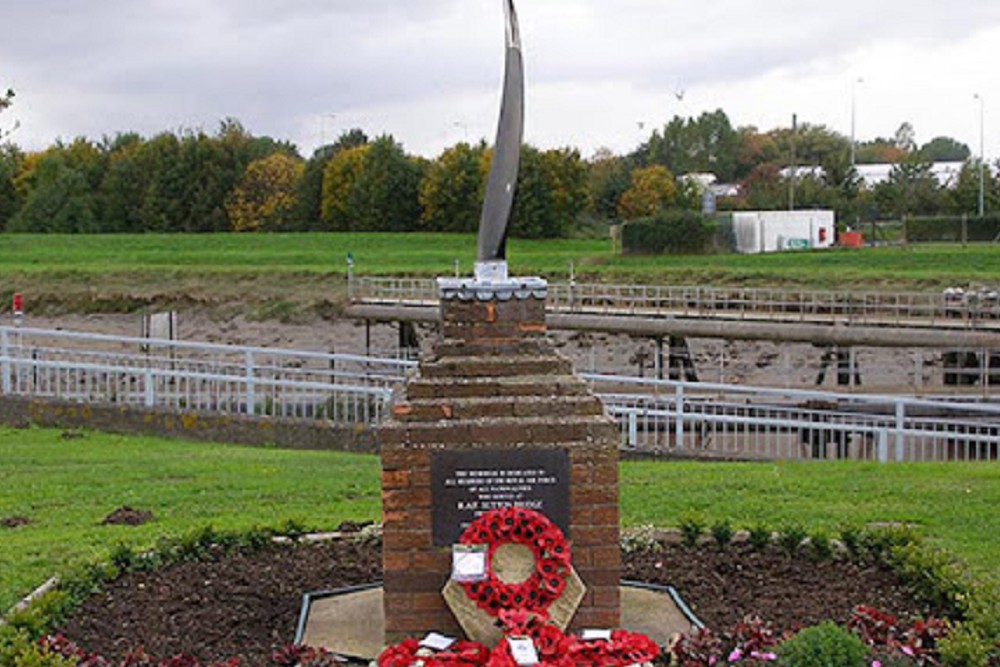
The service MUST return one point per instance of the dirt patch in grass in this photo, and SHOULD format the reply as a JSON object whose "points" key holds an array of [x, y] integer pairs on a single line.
{"points": [[14, 521], [247, 605], [127, 516]]}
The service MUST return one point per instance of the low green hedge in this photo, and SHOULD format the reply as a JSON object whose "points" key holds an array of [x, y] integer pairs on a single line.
{"points": [[670, 232], [948, 228]]}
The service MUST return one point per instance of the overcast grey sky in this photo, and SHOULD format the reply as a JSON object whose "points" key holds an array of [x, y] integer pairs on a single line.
{"points": [[429, 71]]}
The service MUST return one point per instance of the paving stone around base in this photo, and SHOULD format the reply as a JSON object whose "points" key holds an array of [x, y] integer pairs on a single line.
{"points": [[352, 624]]}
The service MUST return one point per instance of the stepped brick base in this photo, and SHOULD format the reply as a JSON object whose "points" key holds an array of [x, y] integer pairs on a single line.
{"points": [[494, 382]]}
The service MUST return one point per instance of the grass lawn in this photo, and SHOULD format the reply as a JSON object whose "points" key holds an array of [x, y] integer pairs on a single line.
{"points": [[125, 272], [66, 486]]}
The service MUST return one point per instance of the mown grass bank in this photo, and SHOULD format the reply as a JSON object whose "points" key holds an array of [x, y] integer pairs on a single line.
{"points": [[66, 485], [115, 272]]}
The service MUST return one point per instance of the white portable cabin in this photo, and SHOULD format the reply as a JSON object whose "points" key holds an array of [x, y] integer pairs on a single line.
{"points": [[776, 231]]}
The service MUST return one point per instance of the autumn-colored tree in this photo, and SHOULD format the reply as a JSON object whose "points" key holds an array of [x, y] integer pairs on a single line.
{"points": [[339, 179], [264, 199], [372, 188], [451, 192], [651, 190], [310, 196]]}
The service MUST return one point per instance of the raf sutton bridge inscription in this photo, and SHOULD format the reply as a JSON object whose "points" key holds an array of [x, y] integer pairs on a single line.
{"points": [[465, 484]]}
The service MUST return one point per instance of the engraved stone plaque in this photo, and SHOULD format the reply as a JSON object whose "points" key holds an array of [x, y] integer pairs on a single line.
{"points": [[468, 483]]}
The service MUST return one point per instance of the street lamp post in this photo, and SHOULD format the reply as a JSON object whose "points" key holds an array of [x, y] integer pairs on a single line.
{"points": [[982, 159], [854, 94]]}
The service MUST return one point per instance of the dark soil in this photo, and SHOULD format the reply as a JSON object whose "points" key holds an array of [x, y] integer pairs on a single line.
{"points": [[242, 605], [14, 521], [722, 587], [247, 605], [127, 516]]}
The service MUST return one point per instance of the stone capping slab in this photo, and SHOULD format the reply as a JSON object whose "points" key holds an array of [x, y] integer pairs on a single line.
{"points": [[470, 289]]}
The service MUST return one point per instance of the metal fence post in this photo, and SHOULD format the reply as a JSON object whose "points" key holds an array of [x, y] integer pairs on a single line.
{"points": [[679, 417], [883, 446], [150, 389], [633, 429], [251, 393], [5, 363], [900, 430]]}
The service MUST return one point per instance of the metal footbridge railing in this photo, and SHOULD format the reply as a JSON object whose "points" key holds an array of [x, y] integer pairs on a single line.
{"points": [[955, 309], [654, 416]]}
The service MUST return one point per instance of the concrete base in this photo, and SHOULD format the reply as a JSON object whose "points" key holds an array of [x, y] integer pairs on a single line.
{"points": [[352, 624]]}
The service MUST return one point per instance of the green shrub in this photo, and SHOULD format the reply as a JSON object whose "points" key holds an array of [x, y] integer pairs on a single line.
{"points": [[824, 645], [673, 232], [850, 536], [692, 526], [791, 538], [819, 546], [722, 533], [760, 537], [964, 647], [932, 577]]}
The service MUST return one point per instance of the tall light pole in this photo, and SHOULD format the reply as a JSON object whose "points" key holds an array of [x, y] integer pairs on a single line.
{"points": [[854, 105], [982, 157]]}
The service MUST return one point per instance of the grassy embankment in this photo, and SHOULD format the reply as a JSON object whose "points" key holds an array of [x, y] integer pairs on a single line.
{"points": [[302, 274], [65, 486]]}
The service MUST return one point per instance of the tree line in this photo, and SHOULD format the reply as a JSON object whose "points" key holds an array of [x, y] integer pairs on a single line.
{"points": [[231, 180]]}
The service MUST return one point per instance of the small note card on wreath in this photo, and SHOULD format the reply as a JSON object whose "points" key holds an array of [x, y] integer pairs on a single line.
{"points": [[522, 649], [436, 642], [468, 563]]}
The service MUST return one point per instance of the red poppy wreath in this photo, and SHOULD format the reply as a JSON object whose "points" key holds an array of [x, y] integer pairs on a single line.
{"points": [[552, 560]]}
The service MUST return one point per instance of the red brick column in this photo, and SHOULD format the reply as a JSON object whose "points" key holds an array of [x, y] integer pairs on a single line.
{"points": [[494, 382]]}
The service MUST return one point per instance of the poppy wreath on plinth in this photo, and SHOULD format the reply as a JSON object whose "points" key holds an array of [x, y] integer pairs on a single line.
{"points": [[409, 653], [514, 525]]}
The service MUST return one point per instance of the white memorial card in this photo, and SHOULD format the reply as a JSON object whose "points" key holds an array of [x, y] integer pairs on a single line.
{"points": [[468, 563], [436, 642], [591, 635], [522, 649]]}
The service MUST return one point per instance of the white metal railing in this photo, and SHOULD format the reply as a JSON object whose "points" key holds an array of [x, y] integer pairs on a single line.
{"points": [[715, 420], [973, 309], [663, 416], [197, 376]]}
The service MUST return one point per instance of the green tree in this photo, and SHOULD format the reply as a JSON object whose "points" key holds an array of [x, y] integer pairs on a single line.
{"points": [[944, 149], [451, 192], [58, 189], [964, 197], [706, 144], [310, 195], [11, 161], [551, 193], [124, 185], [58, 199], [911, 189], [264, 199], [651, 191], [372, 188], [607, 179]]}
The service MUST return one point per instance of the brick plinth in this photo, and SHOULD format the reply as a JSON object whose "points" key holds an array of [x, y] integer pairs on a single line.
{"points": [[494, 382]]}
